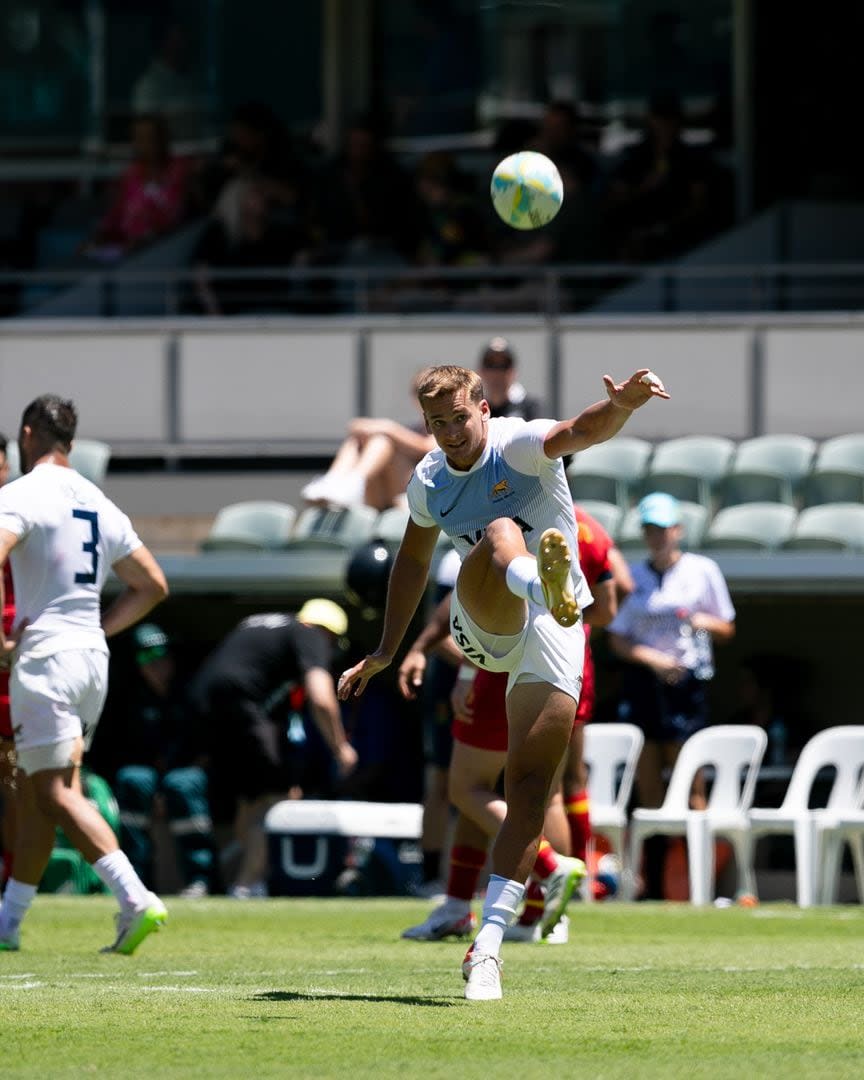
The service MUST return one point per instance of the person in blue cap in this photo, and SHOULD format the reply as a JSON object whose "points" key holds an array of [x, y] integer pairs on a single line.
{"points": [[664, 632]]}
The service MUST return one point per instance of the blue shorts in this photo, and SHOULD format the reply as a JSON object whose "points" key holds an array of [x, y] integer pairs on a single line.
{"points": [[664, 713]]}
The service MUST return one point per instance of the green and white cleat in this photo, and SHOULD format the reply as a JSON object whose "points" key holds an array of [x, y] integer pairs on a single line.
{"points": [[134, 926], [559, 888], [553, 565], [11, 941]]}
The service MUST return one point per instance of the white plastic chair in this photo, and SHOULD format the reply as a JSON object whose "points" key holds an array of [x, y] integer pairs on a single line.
{"points": [[735, 751], [840, 748], [611, 752]]}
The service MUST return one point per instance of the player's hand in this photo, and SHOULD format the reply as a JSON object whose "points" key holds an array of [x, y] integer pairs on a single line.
{"points": [[346, 759], [411, 672], [354, 679], [462, 700], [639, 388], [9, 644]]}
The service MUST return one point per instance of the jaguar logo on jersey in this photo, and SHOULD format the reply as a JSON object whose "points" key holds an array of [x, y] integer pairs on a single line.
{"points": [[501, 490]]}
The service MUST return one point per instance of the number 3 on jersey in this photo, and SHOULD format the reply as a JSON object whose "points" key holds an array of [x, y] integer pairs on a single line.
{"points": [[89, 546]]}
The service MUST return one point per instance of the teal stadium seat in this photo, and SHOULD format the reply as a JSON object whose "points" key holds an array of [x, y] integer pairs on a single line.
{"points": [[609, 472], [608, 514], [322, 527], [251, 526], [756, 526], [690, 467], [769, 468], [631, 539], [830, 526], [89, 456], [837, 474], [390, 526]]}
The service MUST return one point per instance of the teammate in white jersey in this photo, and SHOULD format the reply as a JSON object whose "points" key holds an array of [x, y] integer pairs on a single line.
{"points": [[62, 535], [498, 489]]}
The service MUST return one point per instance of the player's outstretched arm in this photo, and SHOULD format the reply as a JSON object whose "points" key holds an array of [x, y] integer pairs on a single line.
{"points": [[601, 421], [145, 588], [404, 592]]}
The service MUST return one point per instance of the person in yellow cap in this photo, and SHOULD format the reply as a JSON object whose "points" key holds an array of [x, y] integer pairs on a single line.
{"points": [[237, 691]]}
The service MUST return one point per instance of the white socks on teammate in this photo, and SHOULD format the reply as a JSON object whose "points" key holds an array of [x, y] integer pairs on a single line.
{"points": [[523, 580], [115, 871], [16, 902], [503, 898]]}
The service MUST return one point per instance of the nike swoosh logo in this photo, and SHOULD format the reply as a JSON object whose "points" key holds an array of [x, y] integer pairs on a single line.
{"points": [[444, 513]]}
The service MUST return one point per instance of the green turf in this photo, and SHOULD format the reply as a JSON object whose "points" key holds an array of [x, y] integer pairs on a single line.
{"points": [[325, 988]]}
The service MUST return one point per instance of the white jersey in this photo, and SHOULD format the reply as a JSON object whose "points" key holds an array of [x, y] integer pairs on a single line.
{"points": [[657, 610], [69, 535], [512, 478]]}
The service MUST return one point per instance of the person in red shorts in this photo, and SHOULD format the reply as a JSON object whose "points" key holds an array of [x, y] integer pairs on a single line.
{"points": [[7, 745], [479, 753]]}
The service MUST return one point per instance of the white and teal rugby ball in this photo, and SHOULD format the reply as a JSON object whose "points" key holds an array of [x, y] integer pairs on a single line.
{"points": [[526, 190]]}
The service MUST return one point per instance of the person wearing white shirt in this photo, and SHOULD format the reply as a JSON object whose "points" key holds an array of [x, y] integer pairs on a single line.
{"points": [[62, 535], [664, 632]]}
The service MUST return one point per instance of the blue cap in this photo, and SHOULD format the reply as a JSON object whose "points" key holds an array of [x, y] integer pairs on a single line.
{"points": [[660, 509]]}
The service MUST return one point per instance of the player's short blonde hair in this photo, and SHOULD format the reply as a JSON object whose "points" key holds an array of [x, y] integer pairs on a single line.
{"points": [[434, 382]]}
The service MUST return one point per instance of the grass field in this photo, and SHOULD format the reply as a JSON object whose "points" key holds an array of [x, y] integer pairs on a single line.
{"points": [[325, 988]]}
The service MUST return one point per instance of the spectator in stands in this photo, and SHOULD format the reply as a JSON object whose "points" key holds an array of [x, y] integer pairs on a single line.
{"points": [[505, 394], [452, 226], [373, 464], [664, 633], [559, 137], [365, 205], [162, 772], [257, 145], [166, 87], [659, 202], [237, 690], [246, 232], [7, 743], [150, 198]]}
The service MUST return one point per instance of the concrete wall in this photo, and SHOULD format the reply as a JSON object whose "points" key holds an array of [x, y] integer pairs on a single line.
{"points": [[150, 383]]}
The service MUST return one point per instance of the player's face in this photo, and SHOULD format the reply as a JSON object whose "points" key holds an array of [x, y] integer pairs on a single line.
{"points": [[661, 542], [458, 426]]}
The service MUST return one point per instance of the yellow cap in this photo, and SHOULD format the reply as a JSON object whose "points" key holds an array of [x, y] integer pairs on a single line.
{"points": [[324, 613]]}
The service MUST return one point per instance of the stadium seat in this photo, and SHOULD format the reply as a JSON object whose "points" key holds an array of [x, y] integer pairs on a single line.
{"points": [[631, 540], [769, 468], [756, 526], [840, 749], [251, 526], [611, 754], [832, 526], [610, 471], [846, 826], [13, 457], [90, 457], [837, 474], [735, 752], [690, 467], [608, 514], [390, 524], [319, 527]]}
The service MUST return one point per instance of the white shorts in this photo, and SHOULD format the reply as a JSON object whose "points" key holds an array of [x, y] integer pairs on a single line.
{"points": [[54, 699], [542, 652]]}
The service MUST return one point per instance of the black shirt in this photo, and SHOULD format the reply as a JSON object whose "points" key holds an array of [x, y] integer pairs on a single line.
{"points": [[260, 655]]}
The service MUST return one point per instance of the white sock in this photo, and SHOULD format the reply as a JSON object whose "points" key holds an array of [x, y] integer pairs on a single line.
{"points": [[523, 580], [503, 898], [16, 903], [115, 871]]}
